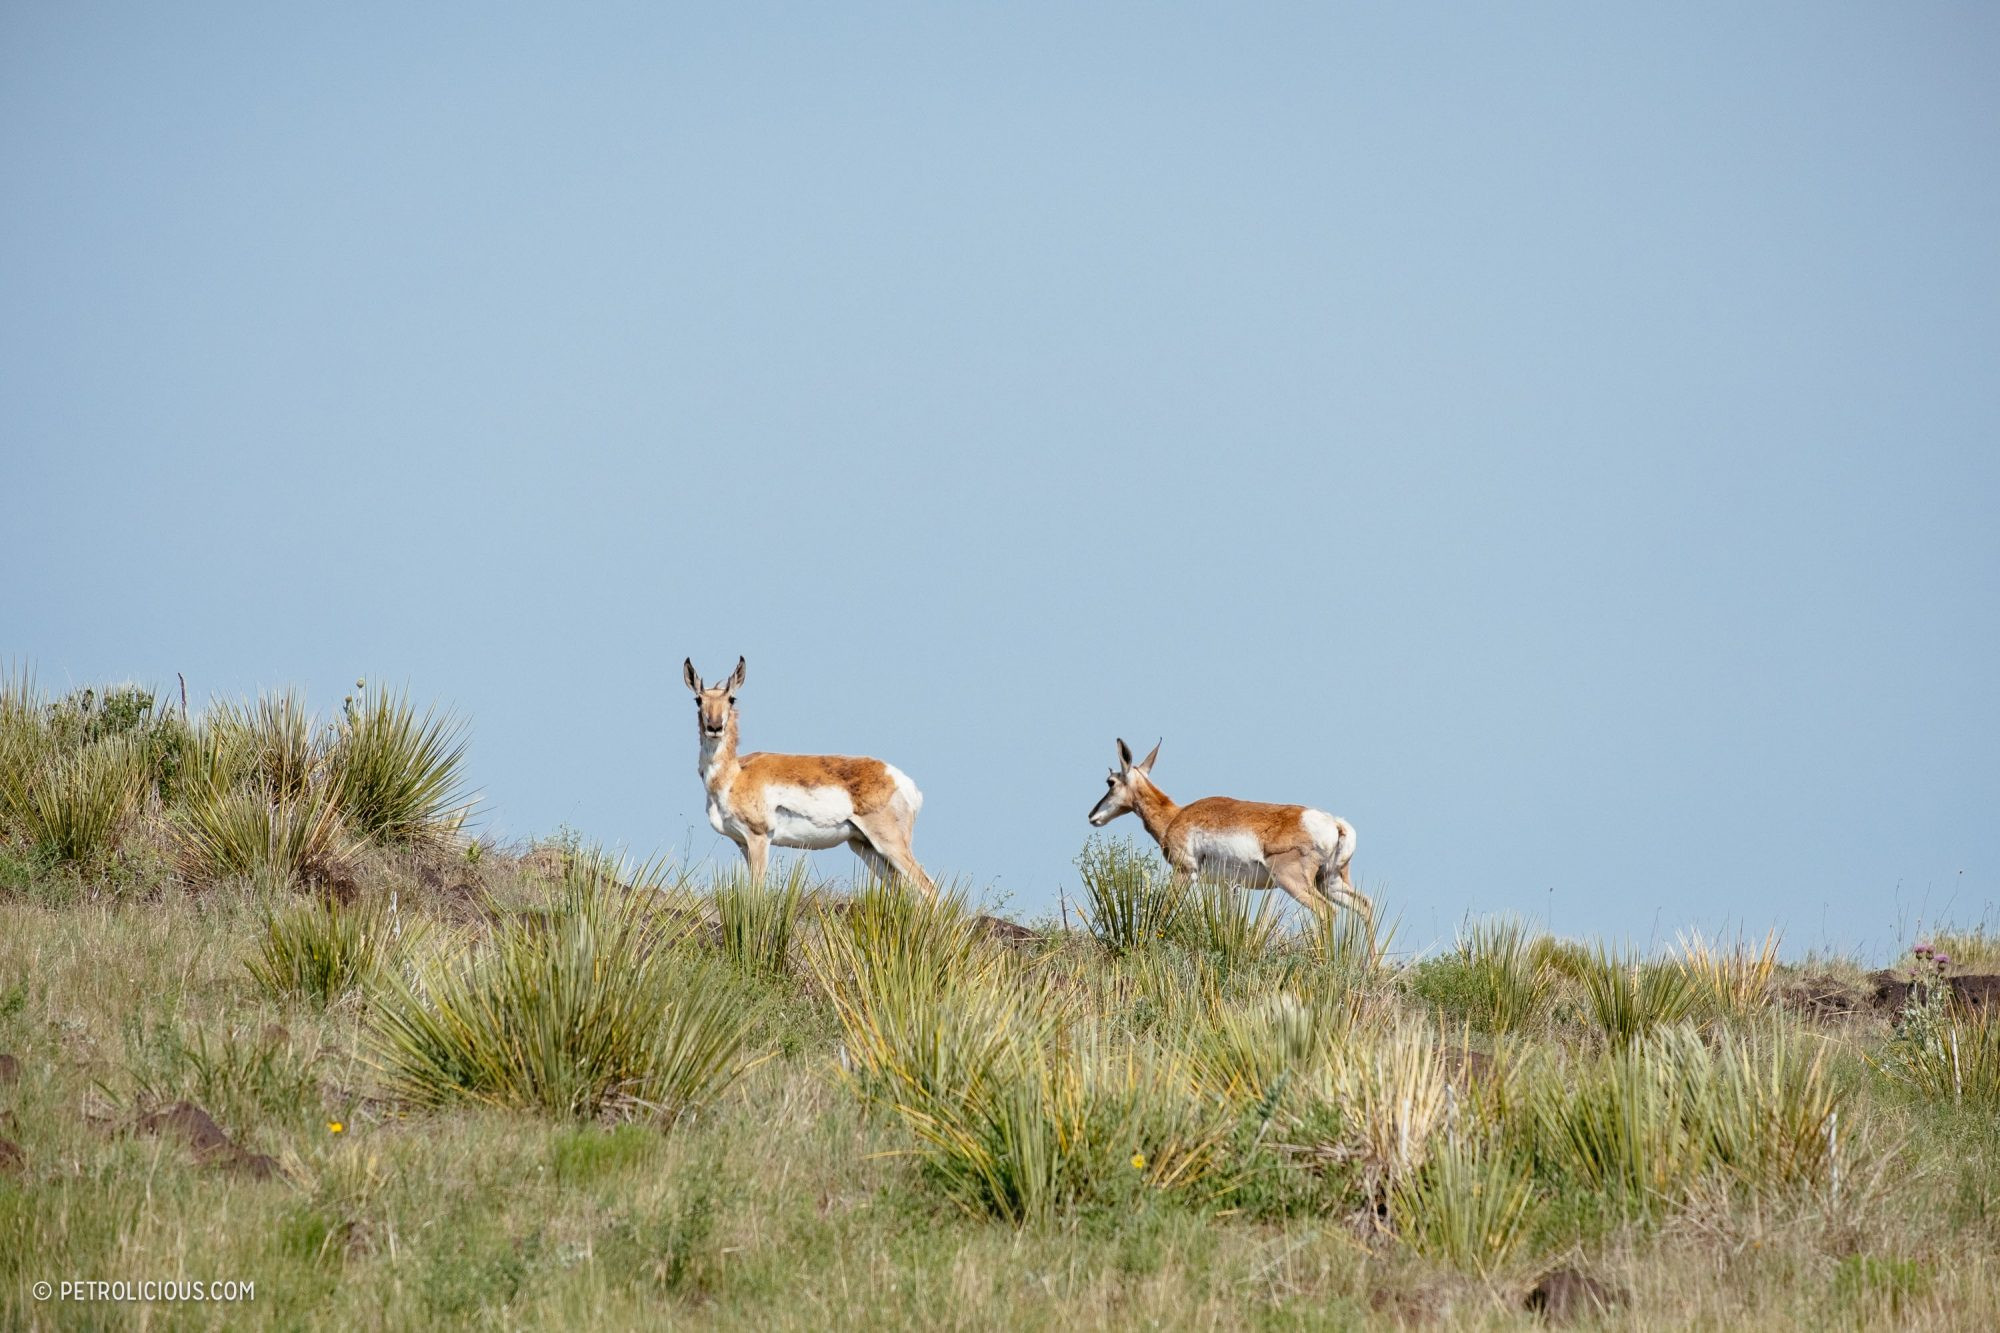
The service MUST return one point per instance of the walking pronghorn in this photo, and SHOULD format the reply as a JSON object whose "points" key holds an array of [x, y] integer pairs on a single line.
{"points": [[1301, 850], [802, 800]]}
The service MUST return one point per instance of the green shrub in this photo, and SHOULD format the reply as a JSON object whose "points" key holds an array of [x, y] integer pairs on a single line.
{"points": [[320, 950], [1129, 899], [586, 1013]]}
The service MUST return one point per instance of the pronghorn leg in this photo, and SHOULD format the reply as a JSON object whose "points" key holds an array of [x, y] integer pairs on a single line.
{"points": [[878, 865], [891, 841], [1293, 873], [1341, 890], [757, 851]]}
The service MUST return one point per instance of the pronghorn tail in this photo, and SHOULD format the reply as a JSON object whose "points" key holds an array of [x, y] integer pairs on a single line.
{"points": [[1335, 837]]}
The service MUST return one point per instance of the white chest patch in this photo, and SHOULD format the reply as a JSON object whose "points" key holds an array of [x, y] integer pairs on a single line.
{"points": [[1230, 854], [811, 817]]}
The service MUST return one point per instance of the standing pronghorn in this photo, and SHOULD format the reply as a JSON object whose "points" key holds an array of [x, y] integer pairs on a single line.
{"points": [[802, 800], [1303, 851]]}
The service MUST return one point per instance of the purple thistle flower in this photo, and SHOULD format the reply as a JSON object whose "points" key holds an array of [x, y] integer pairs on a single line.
{"points": [[1941, 959]]}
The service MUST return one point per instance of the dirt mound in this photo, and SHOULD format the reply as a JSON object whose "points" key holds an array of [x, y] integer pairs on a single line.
{"points": [[1822, 997], [205, 1140], [13, 1161], [10, 1068], [1563, 1295], [1893, 990]]}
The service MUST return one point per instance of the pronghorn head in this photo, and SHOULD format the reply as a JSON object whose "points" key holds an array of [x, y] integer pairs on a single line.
{"points": [[1123, 785], [714, 704]]}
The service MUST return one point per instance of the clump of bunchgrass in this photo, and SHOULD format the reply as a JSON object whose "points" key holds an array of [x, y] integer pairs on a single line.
{"points": [[321, 950], [1230, 924], [75, 803], [1470, 1205], [1129, 900], [1499, 977], [756, 921], [1628, 998], [586, 1012], [1733, 981]]}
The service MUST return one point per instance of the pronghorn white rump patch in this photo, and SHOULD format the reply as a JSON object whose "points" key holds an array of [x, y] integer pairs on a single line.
{"points": [[905, 788], [811, 817], [1332, 835], [1235, 855]]}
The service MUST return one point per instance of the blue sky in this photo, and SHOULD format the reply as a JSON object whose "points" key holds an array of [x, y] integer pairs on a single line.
{"points": [[1560, 439]]}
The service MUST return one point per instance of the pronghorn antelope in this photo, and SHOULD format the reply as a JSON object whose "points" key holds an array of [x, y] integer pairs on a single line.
{"points": [[802, 800], [1301, 850]]}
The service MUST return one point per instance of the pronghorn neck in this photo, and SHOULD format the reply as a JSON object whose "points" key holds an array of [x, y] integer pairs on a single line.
{"points": [[1156, 809], [718, 755]]}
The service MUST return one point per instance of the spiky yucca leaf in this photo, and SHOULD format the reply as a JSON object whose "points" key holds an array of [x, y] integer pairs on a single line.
{"points": [[271, 743], [399, 777], [1629, 998]]}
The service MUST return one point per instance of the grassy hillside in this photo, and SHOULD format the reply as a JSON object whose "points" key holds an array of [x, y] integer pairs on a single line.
{"points": [[268, 1016]]}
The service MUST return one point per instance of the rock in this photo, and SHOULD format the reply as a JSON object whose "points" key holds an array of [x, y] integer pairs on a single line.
{"points": [[1563, 1295], [1007, 932], [205, 1140]]}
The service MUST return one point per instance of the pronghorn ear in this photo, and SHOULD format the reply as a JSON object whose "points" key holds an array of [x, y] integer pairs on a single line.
{"points": [[736, 677], [688, 675], [1124, 753], [1147, 766]]}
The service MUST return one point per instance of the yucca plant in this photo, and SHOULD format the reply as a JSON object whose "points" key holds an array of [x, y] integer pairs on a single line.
{"points": [[1349, 945], [1629, 998], [225, 833], [1736, 981], [586, 1015], [1469, 1206], [1255, 1053], [1763, 1102], [399, 777], [1510, 972], [272, 743], [1616, 1124], [1222, 921], [74, 804], [320, 950], [757, 920], [1392, 1095], [1129, 899]]}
